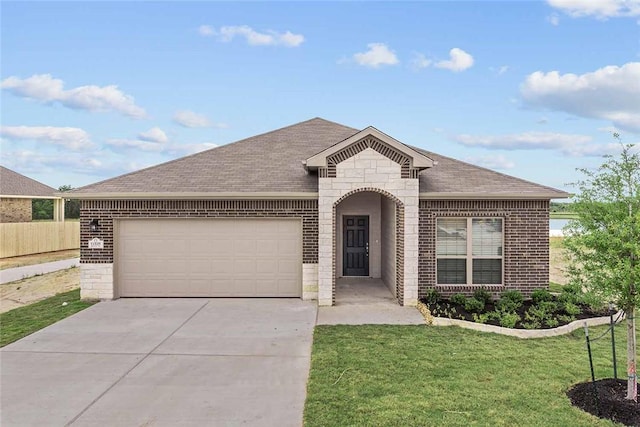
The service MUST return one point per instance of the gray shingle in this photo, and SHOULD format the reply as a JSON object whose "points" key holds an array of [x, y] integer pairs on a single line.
{"points": [[272, 162], [14, 184]]}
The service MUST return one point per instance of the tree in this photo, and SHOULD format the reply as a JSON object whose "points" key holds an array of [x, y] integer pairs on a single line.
{"points": [[604, 242], [71, 206]]}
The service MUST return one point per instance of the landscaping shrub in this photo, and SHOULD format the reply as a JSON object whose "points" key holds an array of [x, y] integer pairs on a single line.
{"points": [[474, 305], [458, 299], [571, 309], [509, 320], [433, 296], [510, 301], [482, 295], [540, 295]]}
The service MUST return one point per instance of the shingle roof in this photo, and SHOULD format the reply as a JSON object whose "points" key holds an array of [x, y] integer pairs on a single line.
{"points": [[272, 162], [14, 184], [454, 176]]}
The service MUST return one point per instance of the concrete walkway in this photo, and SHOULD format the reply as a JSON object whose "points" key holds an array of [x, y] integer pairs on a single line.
{"points": [[163, 362], [18, 273], [361, 301]]}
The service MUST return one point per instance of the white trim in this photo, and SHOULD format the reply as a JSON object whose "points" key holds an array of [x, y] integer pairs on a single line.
{"points": [[468, 256], [493, 196], [420, 161], [4, 196], [194, 196]]}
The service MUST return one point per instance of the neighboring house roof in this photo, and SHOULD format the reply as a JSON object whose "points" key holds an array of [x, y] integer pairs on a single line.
{"points": [[13, 184], [272, 165]]}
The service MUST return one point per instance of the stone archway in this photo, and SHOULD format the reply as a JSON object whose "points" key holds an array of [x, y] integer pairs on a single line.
{"points": [[397, 253]]}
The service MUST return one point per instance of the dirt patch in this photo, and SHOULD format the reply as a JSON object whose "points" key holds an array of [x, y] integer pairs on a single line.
{"points": [[611, 404], [21, 261], [27, 291], [557, 262]]}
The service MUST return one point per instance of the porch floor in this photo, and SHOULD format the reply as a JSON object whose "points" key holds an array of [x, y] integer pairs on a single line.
{"points": [[363, 300]]}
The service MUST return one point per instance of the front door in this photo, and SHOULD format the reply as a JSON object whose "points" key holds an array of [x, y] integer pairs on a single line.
{"points": [[355, 258]]}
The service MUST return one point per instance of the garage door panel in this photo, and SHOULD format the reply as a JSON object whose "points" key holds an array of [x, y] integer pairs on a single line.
{"points": [[209, 257]]}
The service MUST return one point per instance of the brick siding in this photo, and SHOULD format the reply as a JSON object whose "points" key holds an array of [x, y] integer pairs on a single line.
{"points": [[105, 211], [15, 210], [526, 242]]}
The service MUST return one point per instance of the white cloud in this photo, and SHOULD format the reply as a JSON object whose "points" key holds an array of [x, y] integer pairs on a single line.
{"points": [[136, 144], [68, 137], [189, 119], [185, 149], [569, 144], [459, 60], [420, 61], [153, 135], [377, 55], [32, 161], [611, 93], [554, 19], [253, 37], [491, 162], [601, 9], [44, 88], [206, 31]]}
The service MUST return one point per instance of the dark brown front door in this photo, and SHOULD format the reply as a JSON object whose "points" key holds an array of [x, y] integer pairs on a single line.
{"points": [[355, 246]]}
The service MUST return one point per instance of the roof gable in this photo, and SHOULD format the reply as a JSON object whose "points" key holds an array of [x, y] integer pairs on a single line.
{"points": [[279, 165], [369, 137], [14, 184]]}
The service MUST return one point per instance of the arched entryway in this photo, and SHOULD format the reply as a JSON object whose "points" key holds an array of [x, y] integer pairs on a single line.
{"points": [[368, 246]]}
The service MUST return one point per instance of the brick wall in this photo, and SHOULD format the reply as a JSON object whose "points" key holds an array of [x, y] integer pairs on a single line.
{"points": [[105, 211], [526, 242], [15, 210]]}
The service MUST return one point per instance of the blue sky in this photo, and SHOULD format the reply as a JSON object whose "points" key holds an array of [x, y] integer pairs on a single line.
{"points": [[91, 90]]}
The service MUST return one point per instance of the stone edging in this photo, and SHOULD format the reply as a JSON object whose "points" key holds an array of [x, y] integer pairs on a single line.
{"points": [[520, 333]]}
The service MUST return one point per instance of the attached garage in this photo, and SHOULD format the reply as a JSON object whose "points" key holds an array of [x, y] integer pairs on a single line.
{"points": [[209, 257]]}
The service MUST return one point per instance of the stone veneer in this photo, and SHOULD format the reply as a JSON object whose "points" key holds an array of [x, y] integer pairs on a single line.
{"points": [[96, 281], [526, 242], [15, 210], [369, 170]]}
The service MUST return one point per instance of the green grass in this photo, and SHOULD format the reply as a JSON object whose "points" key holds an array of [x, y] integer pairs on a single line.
{"points": [[447, 376], [23, 321], [563, 215], [555, 287]]}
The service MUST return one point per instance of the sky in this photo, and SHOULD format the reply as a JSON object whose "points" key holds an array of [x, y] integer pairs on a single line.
{"points": [[533, 89]]}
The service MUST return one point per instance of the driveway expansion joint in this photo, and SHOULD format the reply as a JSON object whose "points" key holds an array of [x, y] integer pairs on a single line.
{"points": [[74, 419]]}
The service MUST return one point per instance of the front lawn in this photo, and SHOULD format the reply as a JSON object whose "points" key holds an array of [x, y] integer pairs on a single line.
{"points": [[447, 376], [23, 321]]}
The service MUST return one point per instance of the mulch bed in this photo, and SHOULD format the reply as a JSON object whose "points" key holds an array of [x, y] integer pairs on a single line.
{"points": [[612, 404], [457, 311]]}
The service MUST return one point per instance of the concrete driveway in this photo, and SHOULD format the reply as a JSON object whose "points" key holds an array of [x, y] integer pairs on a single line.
{"points": [[156, 362]]}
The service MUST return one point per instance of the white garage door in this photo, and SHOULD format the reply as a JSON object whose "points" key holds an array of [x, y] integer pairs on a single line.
{"points": [[209, 258]]}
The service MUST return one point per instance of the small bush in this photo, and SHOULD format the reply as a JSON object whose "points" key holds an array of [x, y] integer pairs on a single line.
{"points": [[432, 296], [481, 318], [482, 295], [509, 320], [571, 309], [474, 305], [566, 318], [549, 307], [552, 323], [510, 301], [540, 295], [458, 299]]}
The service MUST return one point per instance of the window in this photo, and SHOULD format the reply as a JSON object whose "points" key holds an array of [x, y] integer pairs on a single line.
{"points": [[469, 251]]}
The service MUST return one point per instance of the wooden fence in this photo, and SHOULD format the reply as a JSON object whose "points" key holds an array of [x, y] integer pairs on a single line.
{"points": [[25, 238]]}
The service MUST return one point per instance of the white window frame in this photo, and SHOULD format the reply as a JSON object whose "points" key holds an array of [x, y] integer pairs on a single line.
{"points": [[469, 257]]}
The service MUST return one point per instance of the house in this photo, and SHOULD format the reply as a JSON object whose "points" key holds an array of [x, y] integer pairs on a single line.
{"points": [[290, 212], [16, 193]]}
